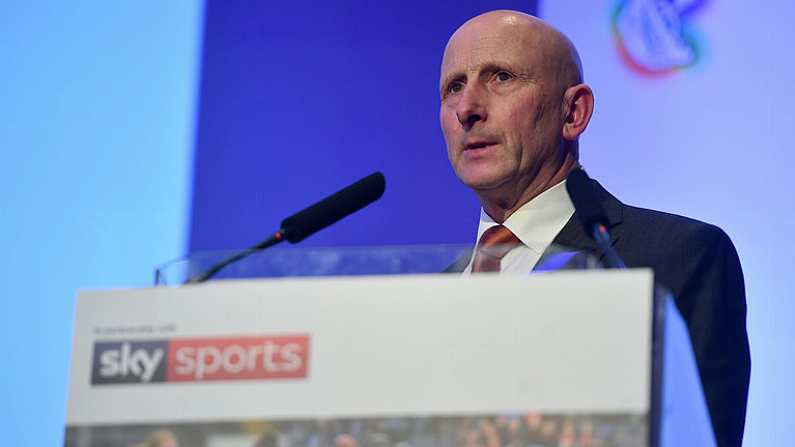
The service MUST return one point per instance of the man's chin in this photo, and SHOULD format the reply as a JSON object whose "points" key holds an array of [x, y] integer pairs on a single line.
{"points": [[482, 181]]}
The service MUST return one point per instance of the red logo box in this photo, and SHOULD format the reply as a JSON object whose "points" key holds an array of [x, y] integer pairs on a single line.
{"points": [[243, 358]]}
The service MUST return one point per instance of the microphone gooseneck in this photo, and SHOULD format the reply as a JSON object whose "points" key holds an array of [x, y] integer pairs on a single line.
{"points": [[592, 215], [306, 222]]}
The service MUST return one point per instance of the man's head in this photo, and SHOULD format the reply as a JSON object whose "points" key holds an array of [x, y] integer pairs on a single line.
{"points": [[512, 107]]}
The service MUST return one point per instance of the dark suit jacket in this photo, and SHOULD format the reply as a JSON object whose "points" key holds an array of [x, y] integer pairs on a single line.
{"points": [[698, 263]]}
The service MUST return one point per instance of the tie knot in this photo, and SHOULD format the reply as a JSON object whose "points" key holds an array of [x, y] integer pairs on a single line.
{"points": [[493, 245]]}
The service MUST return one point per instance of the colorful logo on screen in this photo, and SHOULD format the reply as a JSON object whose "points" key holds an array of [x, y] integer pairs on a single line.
{"points": [[654, 37], [200, 359]]}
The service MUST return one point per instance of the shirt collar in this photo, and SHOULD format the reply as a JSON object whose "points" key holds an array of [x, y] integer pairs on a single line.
{"points": [[538, 221]]}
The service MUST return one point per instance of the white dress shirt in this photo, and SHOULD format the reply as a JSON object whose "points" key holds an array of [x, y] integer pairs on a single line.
{"points": [[536, 224]]}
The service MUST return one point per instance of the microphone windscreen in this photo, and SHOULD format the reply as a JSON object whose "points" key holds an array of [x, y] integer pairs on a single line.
{"points": [[582, 195], [334, 207]]}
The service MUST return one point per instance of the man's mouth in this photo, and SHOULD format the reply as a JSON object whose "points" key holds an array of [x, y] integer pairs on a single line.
{"points": [[476, 145]]}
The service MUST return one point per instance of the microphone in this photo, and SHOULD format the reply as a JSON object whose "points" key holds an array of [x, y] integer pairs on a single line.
{"points": [[333, 208], [592, 215], [314, 218]]}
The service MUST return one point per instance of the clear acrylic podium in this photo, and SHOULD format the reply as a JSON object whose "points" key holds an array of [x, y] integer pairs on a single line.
{"points": [[286, 261], [397, 355]]}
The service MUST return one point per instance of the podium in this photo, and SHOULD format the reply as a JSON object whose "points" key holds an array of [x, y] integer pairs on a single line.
{"points": [[388, 354]]}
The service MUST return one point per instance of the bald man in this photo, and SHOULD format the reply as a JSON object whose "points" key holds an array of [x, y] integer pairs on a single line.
{"points": [[513, 105]]}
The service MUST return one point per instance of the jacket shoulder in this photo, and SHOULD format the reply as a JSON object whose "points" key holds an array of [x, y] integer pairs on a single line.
{"points": [[662, 232], [680, 249]]}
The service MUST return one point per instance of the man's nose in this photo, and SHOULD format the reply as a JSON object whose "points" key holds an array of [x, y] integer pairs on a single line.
{"points": [[471, 106]]}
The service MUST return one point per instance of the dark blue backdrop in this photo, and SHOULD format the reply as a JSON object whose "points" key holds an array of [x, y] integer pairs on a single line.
{"points": [[299, 99]]}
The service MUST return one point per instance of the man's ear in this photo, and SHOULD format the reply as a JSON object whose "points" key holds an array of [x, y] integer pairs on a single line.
{"points": [[578, 106]]}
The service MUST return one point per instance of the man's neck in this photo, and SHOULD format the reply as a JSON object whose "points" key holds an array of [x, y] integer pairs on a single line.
{"points": [[499, 204]]}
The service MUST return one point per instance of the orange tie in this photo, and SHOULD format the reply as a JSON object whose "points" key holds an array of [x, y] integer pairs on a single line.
{"points": [[495, 243]]}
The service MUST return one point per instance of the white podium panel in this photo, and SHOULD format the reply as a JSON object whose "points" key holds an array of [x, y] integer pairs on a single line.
{"points": [[410, 360]]}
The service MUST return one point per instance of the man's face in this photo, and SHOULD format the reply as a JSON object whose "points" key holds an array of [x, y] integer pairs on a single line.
{"points": [[501, 108]]}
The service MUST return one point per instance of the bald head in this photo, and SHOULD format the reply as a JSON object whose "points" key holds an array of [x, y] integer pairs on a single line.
{"points": [[513, 106], [552, 50]]}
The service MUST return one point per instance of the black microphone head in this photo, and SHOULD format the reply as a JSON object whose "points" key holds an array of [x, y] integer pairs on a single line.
{"points": [[333, 208], [582, 195]]}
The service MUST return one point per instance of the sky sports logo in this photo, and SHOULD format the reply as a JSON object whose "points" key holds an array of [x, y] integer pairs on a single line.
{"points": [[200, 359]]}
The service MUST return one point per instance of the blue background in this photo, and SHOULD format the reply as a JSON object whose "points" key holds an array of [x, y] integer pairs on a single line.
{"points": [[133, 133]]}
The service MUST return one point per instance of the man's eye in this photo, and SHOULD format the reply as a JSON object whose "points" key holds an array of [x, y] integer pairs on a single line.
{"points": [[455, 87], [503, 76]]}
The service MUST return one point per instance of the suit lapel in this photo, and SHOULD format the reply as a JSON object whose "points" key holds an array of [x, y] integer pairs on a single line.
{"points": [[573, 236]]}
